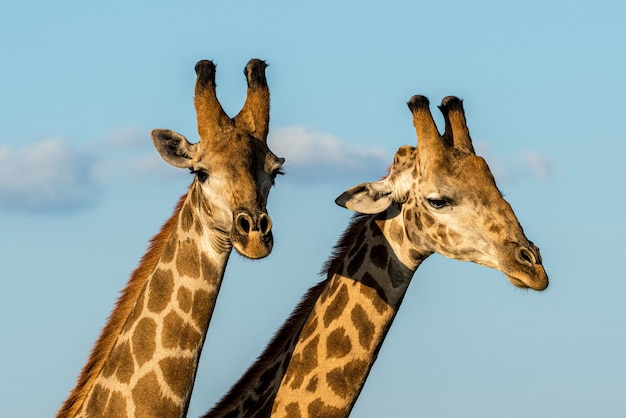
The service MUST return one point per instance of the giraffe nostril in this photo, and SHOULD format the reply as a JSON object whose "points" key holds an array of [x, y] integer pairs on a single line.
{"points": [[265, 223], [525, 256], [243, 223]]}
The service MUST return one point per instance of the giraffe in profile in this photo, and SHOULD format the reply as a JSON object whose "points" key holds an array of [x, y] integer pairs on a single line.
{"points": [[438, 197], [144, 362]]}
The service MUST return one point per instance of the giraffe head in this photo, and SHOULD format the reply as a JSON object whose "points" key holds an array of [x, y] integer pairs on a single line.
{"points": [[449, 200], [233, 166]]}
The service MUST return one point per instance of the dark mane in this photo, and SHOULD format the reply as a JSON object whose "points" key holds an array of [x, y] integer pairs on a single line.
{"points": [[341, 248]]}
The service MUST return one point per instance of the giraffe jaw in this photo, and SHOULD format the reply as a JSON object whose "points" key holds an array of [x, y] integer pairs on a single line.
{"points": [[538, 280]]}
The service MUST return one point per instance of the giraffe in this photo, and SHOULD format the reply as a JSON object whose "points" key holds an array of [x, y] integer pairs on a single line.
{"points": [[437, 197], [144, 362]]}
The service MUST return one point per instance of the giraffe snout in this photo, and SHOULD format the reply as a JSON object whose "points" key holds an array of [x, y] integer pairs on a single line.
{"points": [[524, 268], [252, 235]]}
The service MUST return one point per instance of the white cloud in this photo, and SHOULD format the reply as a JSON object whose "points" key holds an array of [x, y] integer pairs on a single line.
{"points": [[314, 156], [47, 176], [57, 176], [539, 165], [129, 155]]}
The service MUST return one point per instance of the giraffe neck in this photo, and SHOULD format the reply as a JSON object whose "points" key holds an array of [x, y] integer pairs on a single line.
{"points": [[145, 361], [317, 363]]}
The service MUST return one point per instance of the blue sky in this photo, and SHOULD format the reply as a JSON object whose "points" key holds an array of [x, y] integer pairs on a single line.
{"points": [[82, 189]]}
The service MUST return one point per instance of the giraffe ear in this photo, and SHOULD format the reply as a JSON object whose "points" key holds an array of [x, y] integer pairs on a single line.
{"points": [[173, 147], [367, 198]]}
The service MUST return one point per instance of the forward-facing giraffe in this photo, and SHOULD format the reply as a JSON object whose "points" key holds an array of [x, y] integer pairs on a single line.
{"points": [[144, 362], [438, 197]]}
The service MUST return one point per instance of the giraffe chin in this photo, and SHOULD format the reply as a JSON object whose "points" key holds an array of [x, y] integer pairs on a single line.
{"points": [[539, 281], [254, 245]]}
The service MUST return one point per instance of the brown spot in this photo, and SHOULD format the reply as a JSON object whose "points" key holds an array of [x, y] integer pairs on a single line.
{"points": [[179, 334], [177, 373], [309, 328], [357, 261], [184, 298], [194, 195], [312, 386], [293, 410], [169, 251], [417, 224], [302, 364], [186, 218], [415, 237], [414, 255], [150, 401], [203, 303], [144, 340], [379, 303], [116, 407], [187, 262], [427, 219], [363, 325], [336, 307], [379, 256], [343, 381], [396, 232], [329, 290], [160, 290], [98, 400], [120, 362], [135, 313], [209, 272], [318, 408], [494, 228], [198, 226], [338, 343]]}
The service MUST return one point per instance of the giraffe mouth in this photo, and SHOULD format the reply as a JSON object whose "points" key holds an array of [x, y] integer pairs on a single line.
{"points": [[518, 283], [254, 245], [537, 280]]}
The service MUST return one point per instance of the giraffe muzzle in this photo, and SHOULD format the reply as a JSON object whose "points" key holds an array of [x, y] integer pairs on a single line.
{"points": [[252, 235], [526, 270]]}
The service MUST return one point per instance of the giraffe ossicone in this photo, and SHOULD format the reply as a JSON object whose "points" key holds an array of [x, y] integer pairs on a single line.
{"points": [[144, 362], [438, 197]]}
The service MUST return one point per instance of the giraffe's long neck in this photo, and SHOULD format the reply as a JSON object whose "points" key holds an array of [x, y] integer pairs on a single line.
{"points": [[144, 363], [318, 362]]}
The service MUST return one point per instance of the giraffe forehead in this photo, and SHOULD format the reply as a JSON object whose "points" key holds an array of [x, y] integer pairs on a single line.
{"points": [[240, 153], [459, 174]]}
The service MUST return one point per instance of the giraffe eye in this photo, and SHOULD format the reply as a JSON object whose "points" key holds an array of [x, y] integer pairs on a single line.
{"points": [[438, 203], [278, 172], [201, 175]]}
